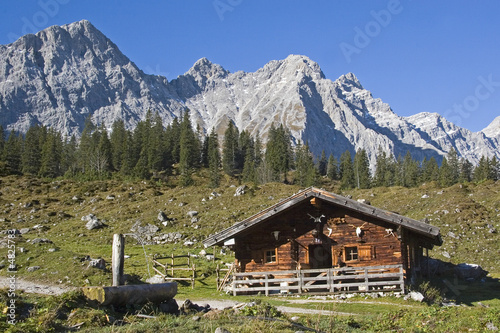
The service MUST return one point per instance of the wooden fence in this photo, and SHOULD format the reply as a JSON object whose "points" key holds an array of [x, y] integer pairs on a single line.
{"points": [[171, 272], [331, 281]]}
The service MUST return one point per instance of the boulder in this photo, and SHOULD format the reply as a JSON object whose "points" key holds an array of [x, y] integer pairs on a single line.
{"points": [[470, 272], [240, 190], [94, 224], [97, 263], [416, 296], [155, 279], [162, 217]]}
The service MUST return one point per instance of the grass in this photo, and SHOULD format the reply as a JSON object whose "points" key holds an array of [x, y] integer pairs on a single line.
{"points": [[465, 213]]}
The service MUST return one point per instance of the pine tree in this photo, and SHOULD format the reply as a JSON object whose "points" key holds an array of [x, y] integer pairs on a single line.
{"points": [[445, 174], [466, 169], [51, 155], [189, 151], [230, 151], [86, 146], [118, 140], [454, 163], [68, 158], [494, 170], [32, 151], [2, 143], [157, 158], [13, 151], [362, 169], [482, 170], [279, 152], [380, 168], [410, 172], [322, 164], [214, 159], [332, 168], [347, 180], [430, 170]]}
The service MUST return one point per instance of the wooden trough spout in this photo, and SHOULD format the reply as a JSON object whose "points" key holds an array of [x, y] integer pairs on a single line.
{"points": [[132, 294]]}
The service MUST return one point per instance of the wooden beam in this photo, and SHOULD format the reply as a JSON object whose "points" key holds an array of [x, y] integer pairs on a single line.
{"points": [[118, 259], [132, 294]]}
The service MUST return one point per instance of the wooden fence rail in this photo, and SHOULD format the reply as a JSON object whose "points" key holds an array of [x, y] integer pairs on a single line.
{"points": [[168, 271], [333, 280]]}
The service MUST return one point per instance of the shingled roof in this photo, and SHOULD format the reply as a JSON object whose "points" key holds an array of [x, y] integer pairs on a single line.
{"points": [[427, 230]]}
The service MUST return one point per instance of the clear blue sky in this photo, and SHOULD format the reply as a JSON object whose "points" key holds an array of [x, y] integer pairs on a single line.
{"points": [[435, 56]]}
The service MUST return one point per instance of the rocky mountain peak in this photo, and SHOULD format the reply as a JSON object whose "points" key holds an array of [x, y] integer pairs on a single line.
{"points": [[349, 80], [205, 68], [493, 129]]}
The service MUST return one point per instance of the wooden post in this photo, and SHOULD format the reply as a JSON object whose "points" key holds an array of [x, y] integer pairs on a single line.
{"points": [[213, 259], [172, 265], [217, 270], [118, 258], [234, 284], [266, 284], [194, 275]]}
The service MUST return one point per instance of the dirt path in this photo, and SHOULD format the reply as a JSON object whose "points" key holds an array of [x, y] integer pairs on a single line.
{"points": [[37, 288], [48, 289]]}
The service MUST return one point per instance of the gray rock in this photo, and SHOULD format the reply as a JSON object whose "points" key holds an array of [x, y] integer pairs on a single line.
{"points": [[94, 224], [33, 268], [97, 263], [155, 279], [162, 217], [416, 296], [470, 272], [192, 213], [40, 241], [240, 190], [221, 330], [425, 196], [24, 230], [491, 327]]}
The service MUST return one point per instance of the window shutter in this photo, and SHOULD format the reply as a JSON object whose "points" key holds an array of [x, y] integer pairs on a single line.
{"points": [[366, 253]]}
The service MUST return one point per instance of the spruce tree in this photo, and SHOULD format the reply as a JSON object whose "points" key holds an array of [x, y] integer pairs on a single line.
{"points": [[51, 155], [381, 167], [482, 170], [454, 163], [68, 158], [32, 151], [13, 151], [362, 169], [279, 152], [466, 169], [230, 151], [347, 171], [214, 159], [322, 164], [445, 174], [2, 143], [430, 170], [332, 168], [118, 141], [189, 151]]}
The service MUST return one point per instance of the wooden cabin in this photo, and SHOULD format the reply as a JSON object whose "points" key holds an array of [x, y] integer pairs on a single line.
{"points": [[317, 241]]}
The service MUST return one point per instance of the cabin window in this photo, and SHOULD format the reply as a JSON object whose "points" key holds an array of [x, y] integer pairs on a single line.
{"points": [[270, 256], [351, 253]]}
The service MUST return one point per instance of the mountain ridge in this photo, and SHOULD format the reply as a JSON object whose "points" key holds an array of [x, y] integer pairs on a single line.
{"points": [[63, 74]]}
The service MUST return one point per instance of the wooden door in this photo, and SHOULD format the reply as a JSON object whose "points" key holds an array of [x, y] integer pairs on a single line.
{"points": [[320, 256]]}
